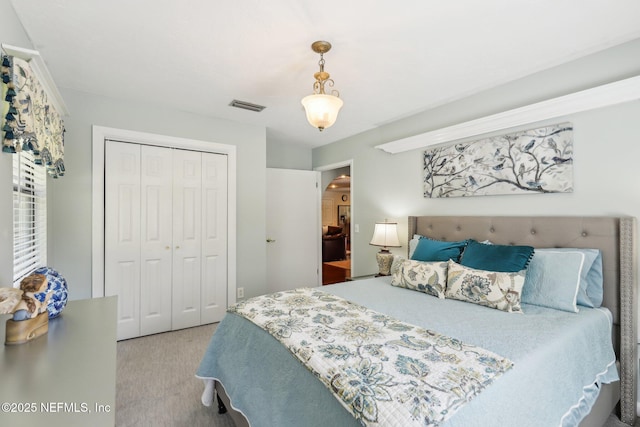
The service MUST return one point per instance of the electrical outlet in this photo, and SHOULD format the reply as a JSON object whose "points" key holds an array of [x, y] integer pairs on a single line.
{"points": [[240, 292]]}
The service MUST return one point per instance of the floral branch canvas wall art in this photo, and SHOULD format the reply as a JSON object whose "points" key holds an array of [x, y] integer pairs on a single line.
{"points": [[533, 161]]}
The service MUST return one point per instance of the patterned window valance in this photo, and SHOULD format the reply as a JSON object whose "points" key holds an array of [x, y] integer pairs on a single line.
{"points": [[31, 122]]}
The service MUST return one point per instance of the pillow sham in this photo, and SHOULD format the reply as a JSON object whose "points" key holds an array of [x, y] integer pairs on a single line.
{"points": [[413, 243], [591, 290], [427, 277], [494, 289], [563, 278], [438, 250], [500, 258]]}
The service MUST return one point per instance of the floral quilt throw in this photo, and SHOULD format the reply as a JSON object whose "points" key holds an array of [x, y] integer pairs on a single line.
{"points": [[383, 371]]}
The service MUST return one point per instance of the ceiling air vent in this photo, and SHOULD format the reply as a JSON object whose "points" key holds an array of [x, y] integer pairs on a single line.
{"points": [[247, 106]]}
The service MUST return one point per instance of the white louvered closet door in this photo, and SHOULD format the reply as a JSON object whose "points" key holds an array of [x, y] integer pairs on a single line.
{"points": [[165, 237]]}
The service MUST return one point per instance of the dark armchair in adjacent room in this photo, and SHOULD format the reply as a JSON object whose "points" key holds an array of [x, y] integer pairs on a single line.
{"points": [[334, 244]]}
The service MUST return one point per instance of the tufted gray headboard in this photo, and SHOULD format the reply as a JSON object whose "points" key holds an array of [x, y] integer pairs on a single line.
{"points": [[614, 236]]}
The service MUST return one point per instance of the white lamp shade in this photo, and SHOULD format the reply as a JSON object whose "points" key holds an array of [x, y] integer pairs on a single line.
{"points": [[322, 110], [385, 234]]}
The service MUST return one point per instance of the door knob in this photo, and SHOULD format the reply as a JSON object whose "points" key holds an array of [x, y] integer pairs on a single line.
{"points": [[271, 240]]}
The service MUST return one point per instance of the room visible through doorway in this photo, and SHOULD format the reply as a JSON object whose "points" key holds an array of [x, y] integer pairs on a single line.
{"points": [[336, 226]]}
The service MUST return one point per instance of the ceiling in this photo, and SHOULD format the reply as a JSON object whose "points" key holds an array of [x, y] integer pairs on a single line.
{"points": [[389, 59], [340, 184]]}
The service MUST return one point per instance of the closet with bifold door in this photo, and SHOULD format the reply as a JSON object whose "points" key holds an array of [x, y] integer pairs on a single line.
{"points": [[165, 236]]}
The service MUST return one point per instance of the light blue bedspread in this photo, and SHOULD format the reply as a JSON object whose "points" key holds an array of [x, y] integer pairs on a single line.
{"points": [[558, 357]]}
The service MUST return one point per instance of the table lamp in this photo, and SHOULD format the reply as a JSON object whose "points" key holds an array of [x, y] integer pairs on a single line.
{"points": [[385, 234]]}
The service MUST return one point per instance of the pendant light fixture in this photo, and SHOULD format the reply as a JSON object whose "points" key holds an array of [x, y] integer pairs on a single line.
{"points": [[322, 108]]}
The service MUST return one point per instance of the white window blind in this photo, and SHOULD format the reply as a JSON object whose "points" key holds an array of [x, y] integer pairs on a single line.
{"points": [[29, 215]]}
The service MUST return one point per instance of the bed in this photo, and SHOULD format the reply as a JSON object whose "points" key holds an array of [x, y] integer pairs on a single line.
{"points": [[259, 380]]}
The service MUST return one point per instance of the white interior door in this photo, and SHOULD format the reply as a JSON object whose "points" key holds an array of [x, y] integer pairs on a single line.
{"points": [[213, 296], [166, 237], [293, 229], [122, 234], [156, 231], [187, 238]]}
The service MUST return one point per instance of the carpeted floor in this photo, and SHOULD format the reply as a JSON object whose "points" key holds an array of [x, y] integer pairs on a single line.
{"points": [[156, 384]]}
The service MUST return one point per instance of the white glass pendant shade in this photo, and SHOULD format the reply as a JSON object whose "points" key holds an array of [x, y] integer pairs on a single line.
{"points": [[322, 110]]}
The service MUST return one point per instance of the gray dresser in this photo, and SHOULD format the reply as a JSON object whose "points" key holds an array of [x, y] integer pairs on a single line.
{"points": [[66, 377]]}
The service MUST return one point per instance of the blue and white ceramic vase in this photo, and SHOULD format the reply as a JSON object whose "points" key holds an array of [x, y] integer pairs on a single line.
{"points": [[57, 286]]}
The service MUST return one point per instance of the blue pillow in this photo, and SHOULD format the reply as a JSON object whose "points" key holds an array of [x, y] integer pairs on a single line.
{"points": [[563, 278], [502, 258], [591, 285], [437, 250]]}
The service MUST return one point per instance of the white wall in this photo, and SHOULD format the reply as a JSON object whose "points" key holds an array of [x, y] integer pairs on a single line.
{"points": [[70, 196], [606, 144], [288, 156], [69, 200]]}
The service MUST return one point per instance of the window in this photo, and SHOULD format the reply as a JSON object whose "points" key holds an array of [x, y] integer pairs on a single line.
{"points": [[29, 216]]}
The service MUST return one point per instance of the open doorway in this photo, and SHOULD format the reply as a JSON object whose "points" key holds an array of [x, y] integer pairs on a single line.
{"points": [[336, 225]]}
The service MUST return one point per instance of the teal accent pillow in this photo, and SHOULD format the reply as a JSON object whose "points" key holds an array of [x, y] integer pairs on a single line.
{"points": [[438, 250], [563, 278], [502, 258]]}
